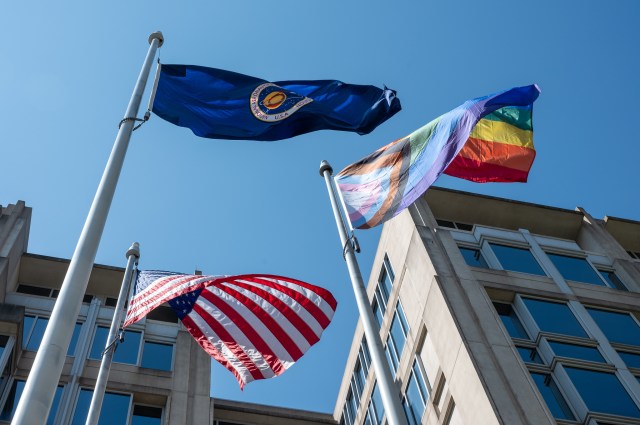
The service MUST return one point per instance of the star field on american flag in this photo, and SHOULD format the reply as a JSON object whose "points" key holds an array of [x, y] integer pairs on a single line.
{"points": [[257, 326]]}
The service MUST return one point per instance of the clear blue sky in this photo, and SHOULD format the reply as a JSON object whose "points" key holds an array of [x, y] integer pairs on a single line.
{"points": [[228, 207]]}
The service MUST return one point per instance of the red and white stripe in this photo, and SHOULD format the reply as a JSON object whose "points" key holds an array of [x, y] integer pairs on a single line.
{"points": [[257, 326]]}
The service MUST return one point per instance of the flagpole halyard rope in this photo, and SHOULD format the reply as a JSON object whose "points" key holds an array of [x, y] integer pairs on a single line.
{"points": [[141, 120]]}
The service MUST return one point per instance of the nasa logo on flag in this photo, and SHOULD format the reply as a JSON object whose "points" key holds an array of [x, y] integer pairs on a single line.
{"points": [[271, 103]]}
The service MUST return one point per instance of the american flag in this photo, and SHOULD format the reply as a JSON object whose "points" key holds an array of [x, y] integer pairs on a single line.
{"points": [[257, 326]]}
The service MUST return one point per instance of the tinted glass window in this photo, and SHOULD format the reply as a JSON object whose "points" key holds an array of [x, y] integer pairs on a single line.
{"points": [[554, 317], [576, 351], [34, 290], [618, 327], [14, 397], [602, 392], [157, 356], [351, 407], [529, 355], [27, 326], [359, 378], [397, 335], [612, 280], [630, 359], [346, 419], [552, 396], [146, 415], [12, 400], [578, 269], [3, 343], [517, 259], [74, 339], [387, 276], [473, 257], [446, 223], [416, 395], [511, 321], [127, 351], [376, 404], [115, 408], [391, 354], [377, 311], [32, 336], [365, 357]]}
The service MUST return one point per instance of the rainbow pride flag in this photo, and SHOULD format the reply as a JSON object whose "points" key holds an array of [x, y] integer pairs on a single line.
{"points": [[487, 139]]}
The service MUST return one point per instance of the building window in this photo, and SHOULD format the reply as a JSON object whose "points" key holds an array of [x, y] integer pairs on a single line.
{"points": [[416, 395], [163, 314], [4, 340], [157, 356], [455, 225], [115, 408], [576, 269], [127, 351], [350, 409], [517, 259], [529, 355], [387, 276], [473, 257], [364, 356], [397, 337], [383, 290], [510, 321], [375, 411], [13, 398], [613, 281], [34, 290], [146, 415], [631, 359], [602, 392], [552, 396], [618, 327], [554, 317], [634, 255], [574, 351], [33, 331]]}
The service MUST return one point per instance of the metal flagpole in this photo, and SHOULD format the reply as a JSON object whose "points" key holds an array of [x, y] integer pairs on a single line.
{"points": [[37, 396], [133, 254], [388, 389]]}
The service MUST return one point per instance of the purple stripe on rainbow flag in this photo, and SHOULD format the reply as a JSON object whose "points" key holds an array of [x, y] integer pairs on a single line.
{"points": [[381, 185]]}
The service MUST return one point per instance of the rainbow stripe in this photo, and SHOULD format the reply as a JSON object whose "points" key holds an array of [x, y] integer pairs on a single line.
{"points": [[485, 139], [499, 149]]}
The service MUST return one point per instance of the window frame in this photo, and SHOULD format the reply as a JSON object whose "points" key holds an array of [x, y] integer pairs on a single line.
{"points": [[76, 399], [37, 316], [157, 342], [140, 345], [133, 410], [391, 345], [576, 255], [481, 256], [421, 375], [487, 245]]}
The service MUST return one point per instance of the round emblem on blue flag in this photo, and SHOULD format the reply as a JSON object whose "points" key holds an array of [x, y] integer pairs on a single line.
{"points": [[273, 103]]}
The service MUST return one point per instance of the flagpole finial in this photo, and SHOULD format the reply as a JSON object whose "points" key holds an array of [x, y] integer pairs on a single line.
{"points": [[134, 250], [157, 35], [324, 166]]}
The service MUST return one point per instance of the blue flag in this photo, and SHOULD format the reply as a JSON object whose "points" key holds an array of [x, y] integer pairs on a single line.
{"points": [[221, 104]]}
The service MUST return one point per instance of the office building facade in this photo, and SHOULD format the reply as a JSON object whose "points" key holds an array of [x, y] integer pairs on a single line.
{"points": [[501, 312], [491, 311]]}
